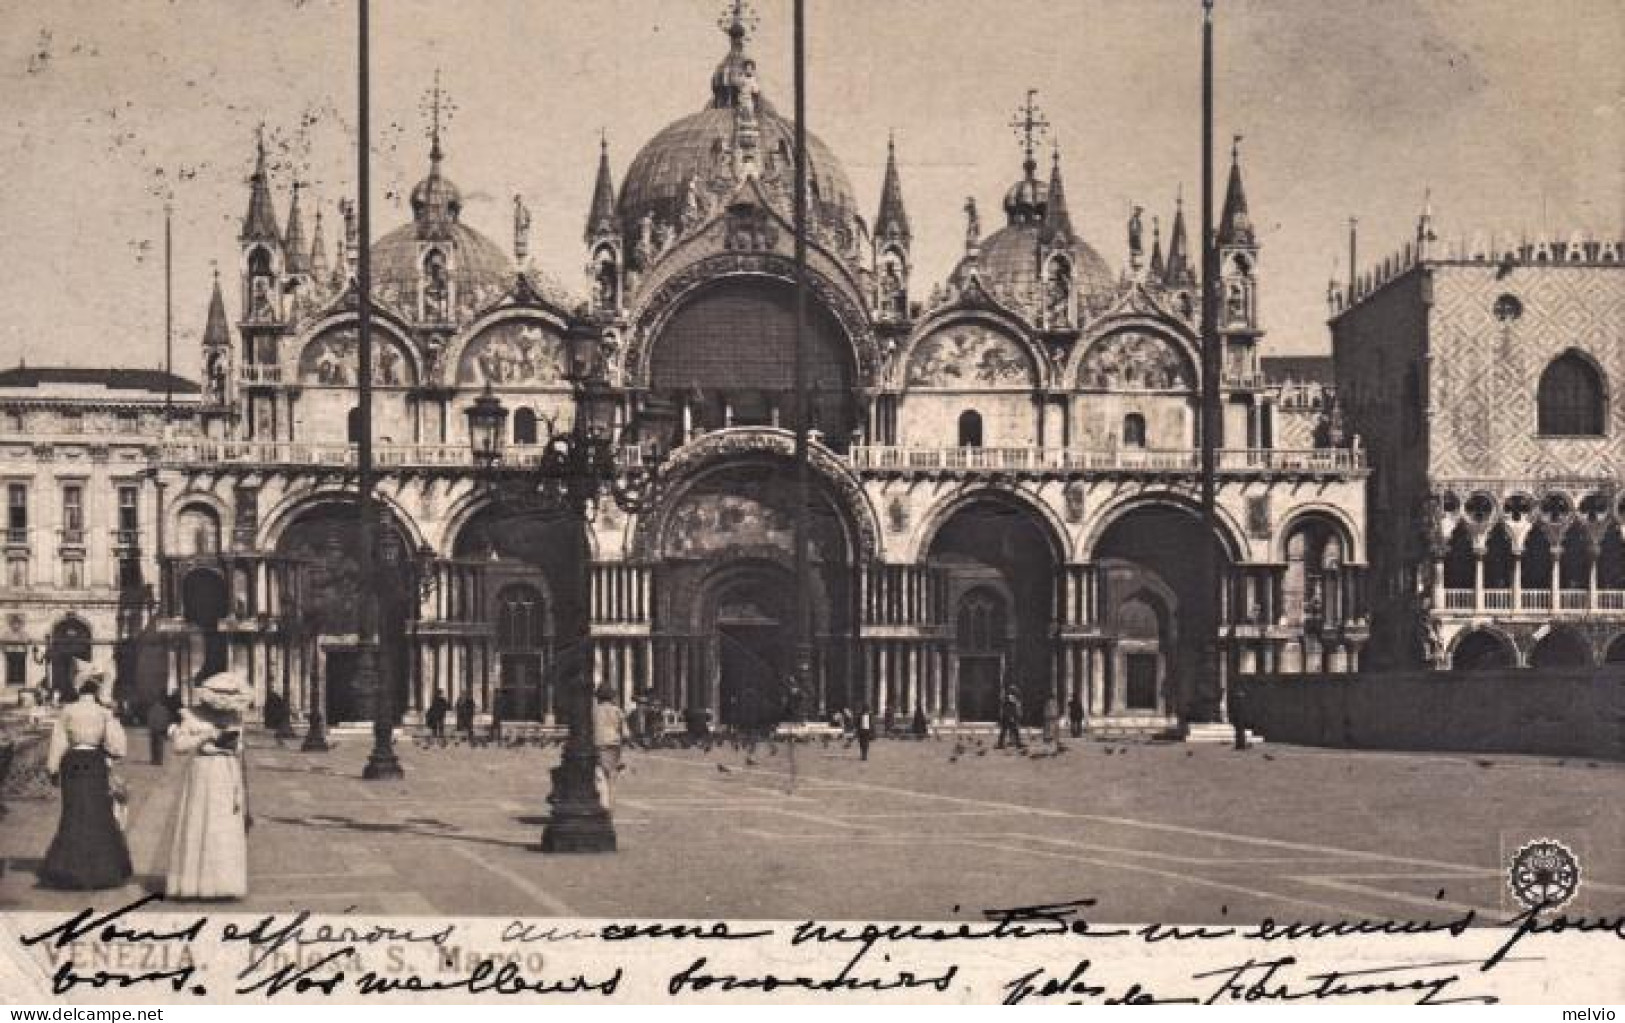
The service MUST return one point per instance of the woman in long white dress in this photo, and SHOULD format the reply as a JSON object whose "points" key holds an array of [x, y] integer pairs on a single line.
{"points": [[208, 855]]}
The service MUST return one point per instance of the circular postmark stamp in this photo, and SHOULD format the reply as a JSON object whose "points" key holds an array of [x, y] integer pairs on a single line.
{"points": [[1544, 874]]}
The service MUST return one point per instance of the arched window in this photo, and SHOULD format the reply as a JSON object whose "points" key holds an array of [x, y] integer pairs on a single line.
{"points": [[352, 426], [1134, 430], [981, 622], [970, 429], [524, 426], [1571, 398]]}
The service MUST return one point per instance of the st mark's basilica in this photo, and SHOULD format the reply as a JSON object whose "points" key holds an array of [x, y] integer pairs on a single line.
{"points": [[1005, 463]]}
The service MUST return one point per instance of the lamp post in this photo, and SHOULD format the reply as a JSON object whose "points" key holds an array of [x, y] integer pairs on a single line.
{"points": [[577, 468]]}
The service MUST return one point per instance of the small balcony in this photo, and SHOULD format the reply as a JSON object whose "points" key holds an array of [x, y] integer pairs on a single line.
{"points": [[17, 536], [71, 537], [253, 375]]}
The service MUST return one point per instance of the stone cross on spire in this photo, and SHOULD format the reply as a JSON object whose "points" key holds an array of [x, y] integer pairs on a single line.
{"points": [[738, 19], [440, 108], [1031, 127]]}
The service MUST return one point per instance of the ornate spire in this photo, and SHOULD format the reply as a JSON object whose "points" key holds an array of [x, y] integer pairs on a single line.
{"points": [[1057, 219], [293, 242], [1157, 270], [1179, 261], [319, 268], [216, 332], [601, 216], [1030, 126], [259, 224], [436, 202], [733, 84], [1235, 225], [892, 221], [973, 229]]}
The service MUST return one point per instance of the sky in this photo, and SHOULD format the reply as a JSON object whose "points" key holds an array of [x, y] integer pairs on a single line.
{"points": [[1511, 115]]}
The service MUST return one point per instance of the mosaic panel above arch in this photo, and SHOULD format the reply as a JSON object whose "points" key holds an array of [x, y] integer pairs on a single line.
{"points": [[1133, 360], [331, 357], [742, 512], [514, 353], [970, 356]]}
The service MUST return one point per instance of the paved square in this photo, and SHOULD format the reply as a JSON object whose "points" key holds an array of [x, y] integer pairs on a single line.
{"points": [[1168, 832]]}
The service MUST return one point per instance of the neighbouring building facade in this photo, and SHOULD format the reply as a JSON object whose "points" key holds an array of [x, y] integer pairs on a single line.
{"points": [[1486, 380], [1005, 464], [77, 448]]}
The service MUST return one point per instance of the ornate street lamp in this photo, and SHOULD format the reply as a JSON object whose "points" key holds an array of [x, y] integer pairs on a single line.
{"points": [[601, 456]]}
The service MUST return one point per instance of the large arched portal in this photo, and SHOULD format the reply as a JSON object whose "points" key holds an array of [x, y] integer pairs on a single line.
{"points": [[533, 575], [324, 540], [1158, 612], [724, 637], [727, 357], [999, 563]]}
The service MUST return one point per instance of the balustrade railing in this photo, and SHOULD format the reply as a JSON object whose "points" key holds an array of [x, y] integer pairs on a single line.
{"points": [[1537, 601], [343, 456], [1029, 459]]}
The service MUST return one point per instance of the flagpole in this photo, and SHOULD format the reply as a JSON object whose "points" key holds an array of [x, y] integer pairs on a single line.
{"points": [[381, 762], [1209, 679], [803, 652]]}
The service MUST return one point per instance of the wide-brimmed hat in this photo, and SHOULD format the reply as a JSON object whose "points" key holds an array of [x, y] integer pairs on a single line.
{"points": [[224, 691]]}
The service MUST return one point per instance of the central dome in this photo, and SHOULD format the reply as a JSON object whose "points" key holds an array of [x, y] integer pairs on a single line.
{"points": [[709, 151]]}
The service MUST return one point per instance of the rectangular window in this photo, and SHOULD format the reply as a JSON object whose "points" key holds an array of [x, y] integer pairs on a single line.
{"points": [[73, 513], [73, 421], [17, 573], [128, 420], [129, 512], [73, 574], [15, 423], [16, 667], [17, 513]]}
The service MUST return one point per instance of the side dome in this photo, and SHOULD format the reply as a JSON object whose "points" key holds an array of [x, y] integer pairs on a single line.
{"points": [[1008, 266], [437, 258]]}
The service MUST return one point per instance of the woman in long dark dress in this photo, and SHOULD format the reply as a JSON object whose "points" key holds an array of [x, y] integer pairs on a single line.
{"points": [[89, 850]]}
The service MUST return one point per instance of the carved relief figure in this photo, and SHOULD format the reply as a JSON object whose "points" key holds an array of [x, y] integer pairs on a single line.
{"points": [[436, 287], [1134, 361], [1058, 294], [969, 357]]}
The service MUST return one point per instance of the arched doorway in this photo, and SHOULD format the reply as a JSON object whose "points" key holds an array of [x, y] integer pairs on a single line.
{"points": [[1561, 648], [204, 602], [724, 595], [524, 645], [70, 642], [982, 634], [533, 572], [1482, 650], [324, 540], [751, 614], [998, 562], [1156, 551]]}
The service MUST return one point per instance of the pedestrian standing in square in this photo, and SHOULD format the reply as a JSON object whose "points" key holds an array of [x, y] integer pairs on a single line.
{"points": [[1052, 721], [89, 850], [1010, 718], [1074, 713], [208, 852], [608, 734], [158, 720], [435, 716], [865, 724]]}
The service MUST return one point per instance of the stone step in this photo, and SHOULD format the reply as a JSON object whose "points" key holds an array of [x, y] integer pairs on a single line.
{"points": [[1214, 732]]}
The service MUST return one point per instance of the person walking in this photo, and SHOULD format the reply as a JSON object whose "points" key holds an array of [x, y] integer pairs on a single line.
{"points": [[1052, 721], [1010, 718], [608, 734], [864, 722], [208, 851], [89, 850], [1074, 713], [435, 716], [278, 718], [465, 715], [158, 719]]}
